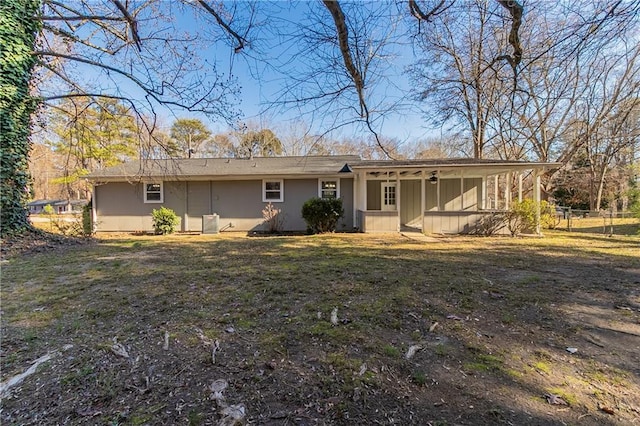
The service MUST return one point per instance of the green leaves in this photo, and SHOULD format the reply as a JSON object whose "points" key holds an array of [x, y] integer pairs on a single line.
{"points": [[18, 29]]}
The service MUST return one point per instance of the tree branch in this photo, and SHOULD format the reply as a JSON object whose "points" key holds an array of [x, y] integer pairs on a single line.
{"points": [[343, 39], [516, 10], [421, 16], [133, 24], [241, 40]]}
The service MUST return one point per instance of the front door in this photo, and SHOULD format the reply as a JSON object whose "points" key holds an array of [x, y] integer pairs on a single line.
{"points": [[389, 196]]}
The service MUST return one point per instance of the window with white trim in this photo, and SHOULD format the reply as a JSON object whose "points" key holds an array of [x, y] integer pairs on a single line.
{"points": [[329, 188], [272, 190], [153, 192]]}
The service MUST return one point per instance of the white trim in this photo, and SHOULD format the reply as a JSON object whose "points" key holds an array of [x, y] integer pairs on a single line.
{"points": [[336, 180], [264, 191], [384, 197], [145, 192]]}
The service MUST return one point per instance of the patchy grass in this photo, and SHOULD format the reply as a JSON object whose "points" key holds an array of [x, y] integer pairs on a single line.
{"points": [[506, 308]]}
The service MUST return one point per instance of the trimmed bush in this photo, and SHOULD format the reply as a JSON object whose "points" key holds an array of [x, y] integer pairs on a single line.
{"points": [[322, 214], [165, 221]]}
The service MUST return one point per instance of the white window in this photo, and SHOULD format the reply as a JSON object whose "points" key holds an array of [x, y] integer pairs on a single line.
{"points": [[153, 192], [273, 190], [329, 188]]}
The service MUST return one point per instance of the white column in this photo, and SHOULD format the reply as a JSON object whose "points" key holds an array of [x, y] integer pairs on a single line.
{"points": [[438, 207], [483, 194], [94, 210], [536, 198], [423, 196], [461, 189], [398, 198], [495, 192], [520, 187], [507, 191]]}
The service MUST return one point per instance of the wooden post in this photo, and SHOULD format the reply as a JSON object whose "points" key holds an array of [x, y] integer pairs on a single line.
{"points": [[423, 196], [536, 199], [495, 192]]}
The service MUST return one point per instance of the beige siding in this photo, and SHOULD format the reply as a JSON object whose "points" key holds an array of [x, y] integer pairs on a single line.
{"points": [[410, 202], [374, 195], [454, 222], [450, 194], [431, 194], [198, 204], [378, 221], [346, 193], [472, 193], [120, 206]]}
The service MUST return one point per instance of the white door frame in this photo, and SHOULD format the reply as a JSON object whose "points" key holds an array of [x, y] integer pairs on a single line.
{"points": [[385, 199]]}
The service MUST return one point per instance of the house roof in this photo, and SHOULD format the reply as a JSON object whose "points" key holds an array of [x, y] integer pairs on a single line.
{"points": [[57, 202], [449, 166], [202, 168], [239, 168]]}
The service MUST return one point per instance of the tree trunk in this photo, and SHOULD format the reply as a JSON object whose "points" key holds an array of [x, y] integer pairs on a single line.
{"points": [[19, 27]]}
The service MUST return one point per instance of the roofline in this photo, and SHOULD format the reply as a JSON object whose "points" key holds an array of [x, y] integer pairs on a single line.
{"points": [[182, 178], [524, 165]]}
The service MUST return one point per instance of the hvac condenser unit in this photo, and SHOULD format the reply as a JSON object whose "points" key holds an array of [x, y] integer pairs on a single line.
{"points": [[210, 224]]}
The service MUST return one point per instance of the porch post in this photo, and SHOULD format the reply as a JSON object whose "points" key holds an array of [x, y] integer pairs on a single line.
{"points": [[495, 191], [507, 191], [461, 189], [398, 199], [520, 187], [483, 194], [94, 210], [438, 190], [362, 202], [423, 202], [536, 198]]}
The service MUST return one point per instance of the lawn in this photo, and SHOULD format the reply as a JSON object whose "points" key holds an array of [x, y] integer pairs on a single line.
{"points": [[329, 329]]}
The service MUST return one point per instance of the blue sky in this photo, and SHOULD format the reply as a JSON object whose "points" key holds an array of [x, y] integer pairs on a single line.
{"points": [[256, 69], [275, 53]]}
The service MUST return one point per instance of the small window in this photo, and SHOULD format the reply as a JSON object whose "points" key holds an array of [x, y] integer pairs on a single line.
{"points": [[153, 193], [272, 190], [329, 188]]}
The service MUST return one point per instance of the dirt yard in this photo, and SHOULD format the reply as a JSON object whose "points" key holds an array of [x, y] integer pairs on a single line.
{"points": [[342, 329]]}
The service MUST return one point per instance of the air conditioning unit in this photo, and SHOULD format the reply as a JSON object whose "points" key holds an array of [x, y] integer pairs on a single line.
{"points": [[210, 224]]}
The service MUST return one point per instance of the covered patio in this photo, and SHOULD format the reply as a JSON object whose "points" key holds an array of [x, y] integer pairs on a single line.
{"points": [[450, 196]]}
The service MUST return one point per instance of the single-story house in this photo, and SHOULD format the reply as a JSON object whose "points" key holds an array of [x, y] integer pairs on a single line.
{"points": [[434, 196], [59, 206]]}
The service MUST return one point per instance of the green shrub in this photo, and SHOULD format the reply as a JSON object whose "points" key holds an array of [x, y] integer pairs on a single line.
{"points": [[48, 210], [522, 216], [322, 214], [165, 221]]}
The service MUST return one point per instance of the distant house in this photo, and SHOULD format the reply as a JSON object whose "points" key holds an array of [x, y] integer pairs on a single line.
{"points": [[435, 196], [59, 206]]}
